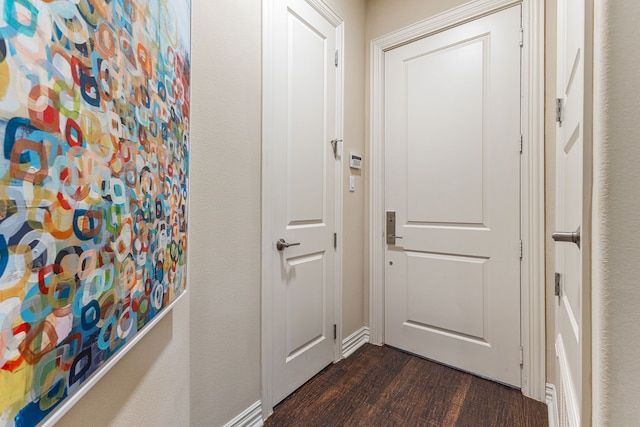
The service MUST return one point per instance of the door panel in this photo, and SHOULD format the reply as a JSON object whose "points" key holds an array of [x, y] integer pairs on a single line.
{"points": [[446, 293], [307, 123], [304, 112], [446, 84], [306, 303], [569, 192], [452, 175]]}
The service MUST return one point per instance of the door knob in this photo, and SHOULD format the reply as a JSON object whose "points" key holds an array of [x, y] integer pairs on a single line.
{"points": [[281, 244], [563, 236]]}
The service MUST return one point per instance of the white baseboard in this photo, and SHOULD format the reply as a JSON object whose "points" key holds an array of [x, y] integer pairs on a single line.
{"points": [[355, 341], [250, 417], [552, 405]]}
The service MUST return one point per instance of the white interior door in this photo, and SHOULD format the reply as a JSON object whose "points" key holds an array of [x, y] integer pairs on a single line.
{"points": [[452, 177], [569, 190], [303, 105]]}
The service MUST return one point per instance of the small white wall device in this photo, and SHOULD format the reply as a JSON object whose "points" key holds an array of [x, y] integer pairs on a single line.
{"points": [[355, 161]]}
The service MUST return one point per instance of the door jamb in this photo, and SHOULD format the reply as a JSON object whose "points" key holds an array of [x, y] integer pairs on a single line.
{"points": [[532, 176], [268, 93]]}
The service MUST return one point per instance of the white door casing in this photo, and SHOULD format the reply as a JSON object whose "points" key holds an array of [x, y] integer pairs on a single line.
{"points": [[452, 175], [302, 113], [572, 311]]}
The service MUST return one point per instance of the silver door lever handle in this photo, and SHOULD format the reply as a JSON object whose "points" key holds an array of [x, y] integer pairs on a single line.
{"points": [[393, 236], [281, 244], [563, 236]]}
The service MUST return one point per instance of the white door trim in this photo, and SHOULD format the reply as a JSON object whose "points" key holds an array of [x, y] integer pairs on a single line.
{"points": [[532, 201], [268, 94]]}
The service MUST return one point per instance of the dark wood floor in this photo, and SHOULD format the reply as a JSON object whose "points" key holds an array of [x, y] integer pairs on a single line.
{"points": [[382, 386]]}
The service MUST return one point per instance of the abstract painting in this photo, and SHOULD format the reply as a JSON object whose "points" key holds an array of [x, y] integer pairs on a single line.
{"points": [[94, 165]]}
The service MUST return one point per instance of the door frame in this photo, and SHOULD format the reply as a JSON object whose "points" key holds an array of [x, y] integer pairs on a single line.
{"points": [[269, 92], [532, 310]]}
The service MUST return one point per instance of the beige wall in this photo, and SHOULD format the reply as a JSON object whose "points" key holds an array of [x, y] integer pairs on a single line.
{"points": [[148, 386], [224, 250], [353, 12], [616, 218], [384, 16]]}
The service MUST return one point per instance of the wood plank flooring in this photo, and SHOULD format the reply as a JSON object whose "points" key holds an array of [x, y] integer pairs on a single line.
{"points": [[383, 386]]}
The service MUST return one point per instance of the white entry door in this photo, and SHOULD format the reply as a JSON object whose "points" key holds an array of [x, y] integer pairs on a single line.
{"points": [[452, 177], [302, 104], [571, 309]]}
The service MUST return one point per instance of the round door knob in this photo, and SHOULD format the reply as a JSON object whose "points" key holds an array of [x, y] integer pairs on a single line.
{"points": [[571, 237]]}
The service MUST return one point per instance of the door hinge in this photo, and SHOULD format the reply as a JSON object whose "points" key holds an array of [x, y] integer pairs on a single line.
{"points": [[559, 108], [521, 37], [521, 143], [521, 355], [556, 290], [335, 332], [335, 240], [336, 60], [521, 249]]}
